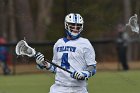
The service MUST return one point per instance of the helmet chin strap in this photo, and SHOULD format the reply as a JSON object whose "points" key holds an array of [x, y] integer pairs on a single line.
{"points": [[71, 36]]}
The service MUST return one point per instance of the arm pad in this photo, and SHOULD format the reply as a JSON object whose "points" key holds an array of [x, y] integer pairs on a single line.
{"points": [[51, 68], [90, 71]]}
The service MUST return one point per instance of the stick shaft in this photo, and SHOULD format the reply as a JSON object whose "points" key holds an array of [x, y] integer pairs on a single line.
{"points": [[58, 66]]}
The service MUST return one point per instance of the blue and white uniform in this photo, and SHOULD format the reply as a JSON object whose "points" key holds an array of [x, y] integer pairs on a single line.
{"points": [[74, 55]]}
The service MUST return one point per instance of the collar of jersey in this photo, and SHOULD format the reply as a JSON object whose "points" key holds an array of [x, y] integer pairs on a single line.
{"points": [[65, 39]]}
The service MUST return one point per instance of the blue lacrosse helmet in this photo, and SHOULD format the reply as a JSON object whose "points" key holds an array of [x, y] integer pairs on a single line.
{"points": [[73, 25]]}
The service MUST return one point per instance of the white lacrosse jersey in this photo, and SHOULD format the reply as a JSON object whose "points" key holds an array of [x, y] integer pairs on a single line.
{"points": [[74, 55]]}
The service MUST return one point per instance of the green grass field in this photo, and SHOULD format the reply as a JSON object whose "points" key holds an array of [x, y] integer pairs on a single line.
{"points": [[102, 82]]}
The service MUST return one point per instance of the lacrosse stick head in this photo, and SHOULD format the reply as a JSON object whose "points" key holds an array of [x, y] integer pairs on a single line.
{"points": [[133, 23], [22, 48]]}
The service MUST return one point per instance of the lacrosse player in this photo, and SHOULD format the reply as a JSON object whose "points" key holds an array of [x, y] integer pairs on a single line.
{"points": [[73, 53], [122, 46]]}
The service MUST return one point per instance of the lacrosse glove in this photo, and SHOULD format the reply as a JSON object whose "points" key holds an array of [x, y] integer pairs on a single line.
{"points": [[41, 63], [80, 75], [39, 58]]}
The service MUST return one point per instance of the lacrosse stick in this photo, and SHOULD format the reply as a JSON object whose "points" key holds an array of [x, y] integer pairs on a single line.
{"points": [[133, 24], [22, 48]]}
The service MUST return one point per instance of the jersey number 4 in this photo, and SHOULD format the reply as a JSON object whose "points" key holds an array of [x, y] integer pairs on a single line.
{"points": [[64, 61]]}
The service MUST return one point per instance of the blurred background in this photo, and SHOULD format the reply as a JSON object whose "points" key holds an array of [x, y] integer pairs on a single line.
{"points": [[41, 23]]}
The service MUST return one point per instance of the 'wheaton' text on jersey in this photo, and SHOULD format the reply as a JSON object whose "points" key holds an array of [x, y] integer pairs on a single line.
{"points": [[66, 48]]}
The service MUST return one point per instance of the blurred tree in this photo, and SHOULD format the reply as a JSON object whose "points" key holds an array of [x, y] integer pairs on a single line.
{"points": [[24, 21], [127, 10], [43, 19], [11, 22], [3, 18]]}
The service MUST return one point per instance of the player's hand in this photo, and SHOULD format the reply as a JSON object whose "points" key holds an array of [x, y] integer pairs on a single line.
{"points": [[39, 58], [79, 75]]}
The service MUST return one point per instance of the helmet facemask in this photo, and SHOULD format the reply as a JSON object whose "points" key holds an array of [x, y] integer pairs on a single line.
{"points": [[73, 28]]}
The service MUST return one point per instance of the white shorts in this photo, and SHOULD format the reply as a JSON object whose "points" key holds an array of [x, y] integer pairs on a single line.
{"points": [[55, 88]]}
